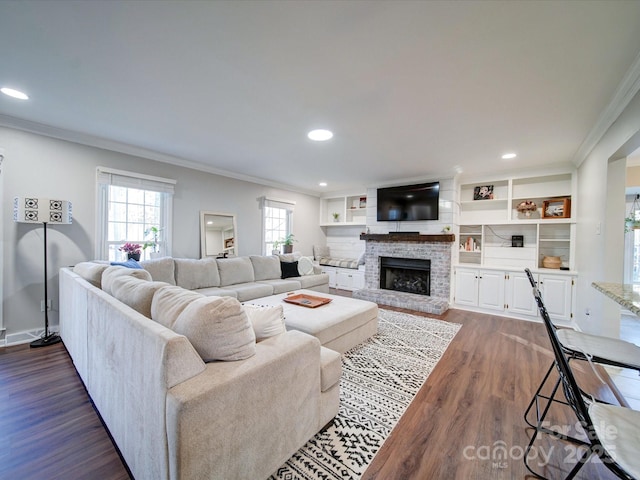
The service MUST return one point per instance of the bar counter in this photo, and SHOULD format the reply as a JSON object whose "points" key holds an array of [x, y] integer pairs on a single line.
{"points": [[627, 295]]}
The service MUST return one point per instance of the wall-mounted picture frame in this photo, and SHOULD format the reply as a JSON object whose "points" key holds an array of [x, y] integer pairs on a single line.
{"points": [[483, 192], [556, 208]]}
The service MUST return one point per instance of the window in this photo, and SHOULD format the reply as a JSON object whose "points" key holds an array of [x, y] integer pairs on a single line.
{"points": [[133, 208], [277, 220]]}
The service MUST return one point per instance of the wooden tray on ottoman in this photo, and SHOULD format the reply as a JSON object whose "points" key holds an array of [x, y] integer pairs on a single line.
{"points": [[305, 300]]}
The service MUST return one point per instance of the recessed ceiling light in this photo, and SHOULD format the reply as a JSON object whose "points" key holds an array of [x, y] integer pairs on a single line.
{"points": [[14, 93], [323, 184], [320, 135], [508, 156]]}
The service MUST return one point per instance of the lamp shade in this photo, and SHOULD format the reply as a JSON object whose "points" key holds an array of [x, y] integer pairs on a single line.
{"points": [[41, 210]]}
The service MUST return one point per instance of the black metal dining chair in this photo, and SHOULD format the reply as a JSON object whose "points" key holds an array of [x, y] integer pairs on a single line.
{"points": [[582, 346]]}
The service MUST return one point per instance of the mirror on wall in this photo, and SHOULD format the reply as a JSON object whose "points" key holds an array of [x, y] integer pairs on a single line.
{"points": [[218, 234]]}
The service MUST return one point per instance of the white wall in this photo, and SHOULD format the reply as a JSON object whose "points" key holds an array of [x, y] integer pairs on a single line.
{"points": [[599, 256], [46, 167]]}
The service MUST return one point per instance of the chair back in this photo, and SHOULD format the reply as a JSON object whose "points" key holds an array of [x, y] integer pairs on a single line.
{"points": [[569, 385], [530, 277]]}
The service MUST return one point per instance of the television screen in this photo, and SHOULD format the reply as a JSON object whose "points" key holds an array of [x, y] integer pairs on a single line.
{"points": [[409, 202]]}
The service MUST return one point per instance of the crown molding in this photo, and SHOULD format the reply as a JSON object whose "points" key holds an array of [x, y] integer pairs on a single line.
{"points": [[625, 92], [114, 146]]}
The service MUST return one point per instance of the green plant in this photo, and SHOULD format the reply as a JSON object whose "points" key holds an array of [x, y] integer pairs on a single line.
{"points": [[288, 240], [154, 232], [336, 215]]}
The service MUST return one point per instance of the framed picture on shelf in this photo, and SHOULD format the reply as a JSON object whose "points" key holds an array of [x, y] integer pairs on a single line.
{"points": [[483, 192], [363, 202], [556, 208]]}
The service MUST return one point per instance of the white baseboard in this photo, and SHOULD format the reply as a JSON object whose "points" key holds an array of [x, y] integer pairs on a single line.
{"points": [[27, 336]]}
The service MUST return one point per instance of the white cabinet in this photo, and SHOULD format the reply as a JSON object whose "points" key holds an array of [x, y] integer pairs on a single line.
{"points": [[479, 288], [508, 292], [345, 278], [518, 295], [557, 293], [344, 210]]}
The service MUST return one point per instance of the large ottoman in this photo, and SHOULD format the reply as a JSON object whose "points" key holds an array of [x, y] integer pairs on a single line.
{"points": [[339, 325]]}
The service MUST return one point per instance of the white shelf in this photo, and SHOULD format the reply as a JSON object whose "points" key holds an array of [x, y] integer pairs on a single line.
{"points": [[349, 210]]}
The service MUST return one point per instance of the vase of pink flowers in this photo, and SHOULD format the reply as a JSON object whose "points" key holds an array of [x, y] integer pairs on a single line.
{"points": [[132, 250]]}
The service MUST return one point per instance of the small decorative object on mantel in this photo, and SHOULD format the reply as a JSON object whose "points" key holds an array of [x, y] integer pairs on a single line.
{"points": [[363, 202], [132, 250], [336, 216], [527, 207], [483, 192], [631, 222], [556, 208]]}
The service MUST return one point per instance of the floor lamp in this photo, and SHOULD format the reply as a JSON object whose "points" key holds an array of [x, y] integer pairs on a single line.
{"points": [[44, 211]]}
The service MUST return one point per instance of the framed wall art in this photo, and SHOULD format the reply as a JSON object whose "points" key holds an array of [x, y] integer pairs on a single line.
{"points": [[483, 192], [556, 208]]}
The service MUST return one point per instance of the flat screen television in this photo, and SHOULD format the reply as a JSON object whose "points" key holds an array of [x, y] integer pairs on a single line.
{"points": [[409, 202]]}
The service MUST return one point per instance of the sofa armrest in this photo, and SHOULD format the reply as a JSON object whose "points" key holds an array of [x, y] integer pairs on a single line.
{"points": [[244, 419]]}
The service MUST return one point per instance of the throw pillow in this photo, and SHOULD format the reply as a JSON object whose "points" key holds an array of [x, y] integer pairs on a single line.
{"points": [[289, 269], [319, 251], [361, 259], [218, 328], [131, 263], [267, 320], [136, 293], [113, 272], [305, 266], [169, 302]]}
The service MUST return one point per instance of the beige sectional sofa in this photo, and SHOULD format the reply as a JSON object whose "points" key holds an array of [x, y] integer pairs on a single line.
{"points": [[172, 414]]}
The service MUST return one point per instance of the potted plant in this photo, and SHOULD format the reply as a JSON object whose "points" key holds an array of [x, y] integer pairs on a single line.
{"points": [[336, 216], [132, 250], [276, 247], [287, 243], [154, 233]]}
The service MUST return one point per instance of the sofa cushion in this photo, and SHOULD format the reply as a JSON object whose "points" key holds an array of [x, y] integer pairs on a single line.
{"points": [[136, 293], [113, 272], [216, 292], [282, 286], [289, 257], [339, 262], [330, 368], [235, 270], [289, 269], [91, 272], [265, 268], [197, 273], [218, 328], [266, 320], [251, 290], [161, 269], [305, 266], [169, 302]]}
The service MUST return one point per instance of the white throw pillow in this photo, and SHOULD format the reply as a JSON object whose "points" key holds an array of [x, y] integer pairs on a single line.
{"points": [[218, 328], [267, 320], [305, 266]]}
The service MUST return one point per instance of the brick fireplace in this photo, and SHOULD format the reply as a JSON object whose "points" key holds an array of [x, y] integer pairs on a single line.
{"points": [[434, 248]]}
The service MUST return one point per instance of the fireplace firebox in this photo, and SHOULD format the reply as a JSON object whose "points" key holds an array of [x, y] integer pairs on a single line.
{"points": [[411, 275]]}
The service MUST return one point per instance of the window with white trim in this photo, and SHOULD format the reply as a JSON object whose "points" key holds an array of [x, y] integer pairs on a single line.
{"points": [[277, 220], [133, 208]]}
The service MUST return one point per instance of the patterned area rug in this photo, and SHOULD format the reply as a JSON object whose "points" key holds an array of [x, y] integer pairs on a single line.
{"points": [[379, 379]]}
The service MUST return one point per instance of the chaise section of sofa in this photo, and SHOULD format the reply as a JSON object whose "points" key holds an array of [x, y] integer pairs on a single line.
{"points": [[174, 416]]}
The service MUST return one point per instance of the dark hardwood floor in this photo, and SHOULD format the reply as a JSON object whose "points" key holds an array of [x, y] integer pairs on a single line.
{"points": [[468, 409]]}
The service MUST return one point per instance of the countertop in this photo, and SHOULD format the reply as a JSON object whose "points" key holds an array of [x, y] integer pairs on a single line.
{"points": [[625, 294]]}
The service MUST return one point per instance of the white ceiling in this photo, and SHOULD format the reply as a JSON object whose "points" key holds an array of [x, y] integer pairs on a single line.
{"points": [[411, 89]]}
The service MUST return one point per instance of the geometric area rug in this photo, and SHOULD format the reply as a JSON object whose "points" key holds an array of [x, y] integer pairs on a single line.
{"points": [[380, 377]]}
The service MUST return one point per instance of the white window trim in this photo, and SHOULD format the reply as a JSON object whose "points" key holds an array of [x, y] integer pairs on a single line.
{"points": [[288, 205], [109, 176]]}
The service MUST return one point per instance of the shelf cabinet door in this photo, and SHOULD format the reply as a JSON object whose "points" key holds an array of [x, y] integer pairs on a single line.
{"points": [[466, 292], [519, 295], [491, 290], [557, 293], [332, 275]]}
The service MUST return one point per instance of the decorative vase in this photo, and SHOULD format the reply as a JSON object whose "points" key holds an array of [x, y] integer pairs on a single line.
{"points": [[287, 248], [135, 256]]}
